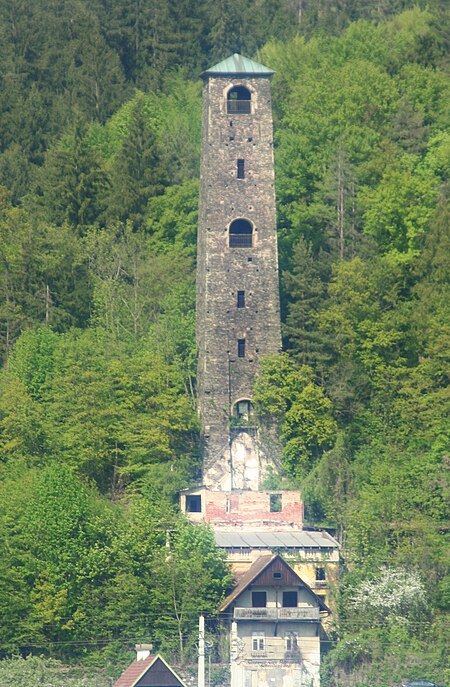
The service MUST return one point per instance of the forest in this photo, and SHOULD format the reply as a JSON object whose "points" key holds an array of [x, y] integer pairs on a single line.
{"points": [[100, 107]]}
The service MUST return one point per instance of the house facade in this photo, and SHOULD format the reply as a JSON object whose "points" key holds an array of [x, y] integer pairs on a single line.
{"points": [[275, 624]]}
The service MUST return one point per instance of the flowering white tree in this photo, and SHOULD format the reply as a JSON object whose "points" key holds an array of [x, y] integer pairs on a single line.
{"points": [[393, 594]]}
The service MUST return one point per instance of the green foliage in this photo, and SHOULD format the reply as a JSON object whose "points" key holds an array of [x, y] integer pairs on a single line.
{"points": [[72, 184], [84, 568], [288, 395], [98, 214], [36, 671]]}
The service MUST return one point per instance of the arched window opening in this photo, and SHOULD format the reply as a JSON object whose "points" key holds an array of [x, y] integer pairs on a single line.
{"points": [[241, 232], [243, 411], [239, 100]]}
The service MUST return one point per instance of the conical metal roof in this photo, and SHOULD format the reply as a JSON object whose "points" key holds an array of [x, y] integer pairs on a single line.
{"points": [[238, 65]]}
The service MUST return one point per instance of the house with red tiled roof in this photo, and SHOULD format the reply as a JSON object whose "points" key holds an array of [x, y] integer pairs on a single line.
{"points": [[149, 670]]}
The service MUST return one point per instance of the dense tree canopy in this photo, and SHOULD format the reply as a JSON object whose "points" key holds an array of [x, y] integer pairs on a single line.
{"points": [[99, 156]]}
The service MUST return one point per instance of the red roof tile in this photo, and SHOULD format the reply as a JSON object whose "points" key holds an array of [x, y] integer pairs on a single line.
{"points": [[134, 671]]}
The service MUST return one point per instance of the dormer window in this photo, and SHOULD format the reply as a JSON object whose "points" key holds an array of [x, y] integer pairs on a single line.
{"points": [[239, 100]]}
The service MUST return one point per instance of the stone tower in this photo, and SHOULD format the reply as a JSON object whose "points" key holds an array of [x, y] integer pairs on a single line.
{"points": [[238, 318]]}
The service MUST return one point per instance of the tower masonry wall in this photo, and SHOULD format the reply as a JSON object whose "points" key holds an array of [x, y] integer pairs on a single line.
{"points": [[224, 377]]}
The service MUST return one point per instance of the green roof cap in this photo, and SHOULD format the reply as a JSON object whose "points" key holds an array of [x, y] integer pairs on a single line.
{"points": [[238, 64]]}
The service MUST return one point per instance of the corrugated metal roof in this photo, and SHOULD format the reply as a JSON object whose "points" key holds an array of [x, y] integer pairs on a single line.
{"points": [[269, 539], [238, 64]]}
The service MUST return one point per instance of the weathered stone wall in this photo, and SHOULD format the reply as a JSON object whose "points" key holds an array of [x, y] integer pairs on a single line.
{"points": [[223, 377]]}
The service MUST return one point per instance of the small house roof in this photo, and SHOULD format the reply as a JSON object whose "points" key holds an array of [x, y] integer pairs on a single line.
{"points": [[256, 569], [238, 65], [132, 675]]}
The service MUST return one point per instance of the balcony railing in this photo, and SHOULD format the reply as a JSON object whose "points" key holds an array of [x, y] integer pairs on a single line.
{"points": [[305, 613], [240, 240], [239, 106]]}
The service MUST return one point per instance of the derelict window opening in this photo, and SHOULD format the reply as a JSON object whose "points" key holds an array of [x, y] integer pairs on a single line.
{"points": [[276, 505], [241, 348], [241, 169], [240, 234], [244, 410], [320, 574], [239, 100], [240, 299], [194, 503]]}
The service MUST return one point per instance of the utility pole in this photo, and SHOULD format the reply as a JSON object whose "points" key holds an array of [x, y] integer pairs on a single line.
{"points": [[201, 651]]}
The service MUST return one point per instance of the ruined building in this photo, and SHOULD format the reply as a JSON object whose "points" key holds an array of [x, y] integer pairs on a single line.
{"points": [[238, 322]]}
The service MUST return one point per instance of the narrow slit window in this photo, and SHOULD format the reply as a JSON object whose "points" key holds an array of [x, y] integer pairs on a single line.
{"points": [[241, 348], [241, 169], [241, 299]]}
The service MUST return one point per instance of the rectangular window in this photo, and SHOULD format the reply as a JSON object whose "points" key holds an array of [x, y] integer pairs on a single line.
{"points": [[259, 599], [258, 641], [241, 169], [228, 505], [241, 299], [289, 599], [241, 348], [320, 574], [276, 505], [291, 641], [194, 504]]}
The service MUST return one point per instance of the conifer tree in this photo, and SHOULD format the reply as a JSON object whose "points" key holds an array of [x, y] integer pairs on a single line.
{"points": [[137, 174]]}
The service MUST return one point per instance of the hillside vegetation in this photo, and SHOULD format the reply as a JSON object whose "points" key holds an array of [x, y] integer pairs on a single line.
{"points": [[100, 116]]}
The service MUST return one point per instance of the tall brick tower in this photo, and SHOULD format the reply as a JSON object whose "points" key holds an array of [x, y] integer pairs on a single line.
{"points": [[238, 318]]}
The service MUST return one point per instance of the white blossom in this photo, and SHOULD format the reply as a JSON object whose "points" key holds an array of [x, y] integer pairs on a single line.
{"points": [[393, 593]]}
